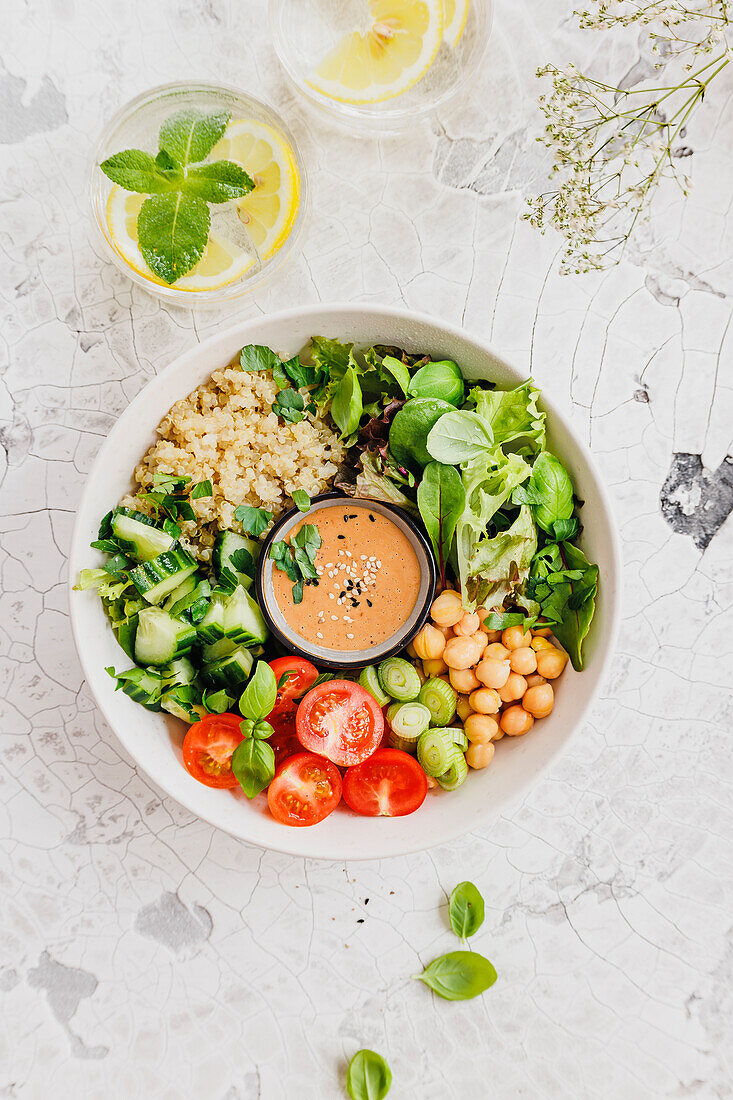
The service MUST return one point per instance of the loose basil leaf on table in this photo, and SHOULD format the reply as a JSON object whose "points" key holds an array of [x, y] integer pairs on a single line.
{"points": [[368, 1076], [459, 436], [253, 765], [466, 910], [459, 975], [258, 698], [441, 499]]}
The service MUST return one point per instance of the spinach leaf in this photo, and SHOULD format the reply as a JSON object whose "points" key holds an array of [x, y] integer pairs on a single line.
{"points": [[411, 427], [253, 765], [459, 975], [466, 910], [368, 1076], [254, 520], [441, 499], [258, 698], [458, 437], [346, 403]]}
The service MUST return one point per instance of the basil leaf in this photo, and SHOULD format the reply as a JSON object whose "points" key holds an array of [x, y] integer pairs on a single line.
{"points": [[258, 698], [246, 728], [441, 499], [218, 182], [458, 437], [552, 489], [171, 528], [289, 405], [282, 555], [346, 403], [466, 910], [107, 546], [368, 1076], [262, 730], [298, 592], [172, 234], [136, 170], [254, 520], [459, 975], [253, 765], [105, 527], [398, 370], [309, 538], [216, 702], [203, 489], [301, 500], [500, 620], [190, 135]]}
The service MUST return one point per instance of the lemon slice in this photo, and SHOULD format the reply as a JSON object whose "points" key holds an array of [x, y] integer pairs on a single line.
{"points": [[269, 211], [386, 59], [454, 23], [221, 264]]}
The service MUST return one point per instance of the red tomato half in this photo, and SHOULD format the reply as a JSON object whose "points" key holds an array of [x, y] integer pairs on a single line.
{"points": [[302, 675], [306, 788], [284, 740], [390, 783], [340, 720], [208, 748]]}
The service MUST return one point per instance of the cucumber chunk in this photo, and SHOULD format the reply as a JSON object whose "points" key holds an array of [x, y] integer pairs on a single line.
{"points": [[230, 672], [234, 559], [157, 578], [185, 588], [233, 615], [179, 672], [160, 638], [139, 535]]}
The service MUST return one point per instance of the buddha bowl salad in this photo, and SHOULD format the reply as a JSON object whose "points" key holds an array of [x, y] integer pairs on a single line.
{"points": [[515, 600]]}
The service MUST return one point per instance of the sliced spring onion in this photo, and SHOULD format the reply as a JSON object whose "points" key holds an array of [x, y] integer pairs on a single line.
{"points": [[369, 680], [399, 679], [459, 738], [456, 772], [440, 699], [391, 711], [434, 751], [410, 720]]}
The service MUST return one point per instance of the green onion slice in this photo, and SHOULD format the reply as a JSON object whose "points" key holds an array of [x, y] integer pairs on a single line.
{"points": [[399, 679], [440, 699]]}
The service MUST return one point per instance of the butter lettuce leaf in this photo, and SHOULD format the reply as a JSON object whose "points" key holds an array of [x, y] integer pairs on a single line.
{"points": [[512, 414]]}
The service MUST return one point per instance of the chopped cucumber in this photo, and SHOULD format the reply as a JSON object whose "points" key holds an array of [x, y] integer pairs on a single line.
{"points": [[181, 671], [193, 605], [160, 638], [233, 615], [143, 685], [230, 672], [234, 559], [139, 535], [215, 652], [185, 588], [157, 578], [183, 701]]}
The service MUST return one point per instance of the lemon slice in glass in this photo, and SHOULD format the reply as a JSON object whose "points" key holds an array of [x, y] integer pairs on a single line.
{"points": [[269, 211], [455, 16], [221, 264], [387, 58]]}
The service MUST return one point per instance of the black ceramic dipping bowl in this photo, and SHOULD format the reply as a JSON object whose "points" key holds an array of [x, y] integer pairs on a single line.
{"points": [[347, 660]]}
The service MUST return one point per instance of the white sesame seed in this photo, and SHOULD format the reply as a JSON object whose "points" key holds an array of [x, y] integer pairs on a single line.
{"points": [[349, 635], [348, 553], [318, 634], [331, 596], [334, 618], [362, 557], [348, 619], [379, 564]]}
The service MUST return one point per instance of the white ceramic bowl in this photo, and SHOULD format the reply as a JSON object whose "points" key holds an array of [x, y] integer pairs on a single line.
{"points": [[154, 740]]}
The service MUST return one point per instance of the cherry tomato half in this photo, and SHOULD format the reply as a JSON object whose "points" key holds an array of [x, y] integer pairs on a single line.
{"points": [[306, 788], [340, 720], [208, 748], [302, 674], [284, 740], [390, 783]]}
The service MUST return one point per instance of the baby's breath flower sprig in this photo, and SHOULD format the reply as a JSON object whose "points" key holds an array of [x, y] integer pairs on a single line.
{"points": [[613, 146]]}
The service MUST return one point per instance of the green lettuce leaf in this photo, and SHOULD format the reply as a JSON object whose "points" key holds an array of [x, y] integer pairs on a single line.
{"points": [[498, 566], [375, 485], [512, 414]]}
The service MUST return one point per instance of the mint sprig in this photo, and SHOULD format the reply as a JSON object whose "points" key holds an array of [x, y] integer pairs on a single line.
{"points": [[175, 221]]}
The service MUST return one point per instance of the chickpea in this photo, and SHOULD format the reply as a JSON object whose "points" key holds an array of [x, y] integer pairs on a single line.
{"points": [[496, 652], [523, 661], [410, 650], [515, 638], [493, 674], [493, 635], [434, 666], [482, 612], [541, 643], [447, 609], [535, 679], [480, 728], [480, 756], [514, 688], [551, 662], [469, 624], [515, 721], [446, 631], [429, 643], [463, 680], [539, 700], [460, 653], [463, 707], [542, 631], [481, 638], [484, 701]]}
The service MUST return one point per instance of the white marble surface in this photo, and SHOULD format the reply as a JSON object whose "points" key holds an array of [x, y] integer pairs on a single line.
{"points": [[144, 954]]}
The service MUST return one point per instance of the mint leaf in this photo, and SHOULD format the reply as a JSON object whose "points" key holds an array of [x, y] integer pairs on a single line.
{"points": [[190, 135], [136, 170], [217, 182], [172, 233], [168, 164]]}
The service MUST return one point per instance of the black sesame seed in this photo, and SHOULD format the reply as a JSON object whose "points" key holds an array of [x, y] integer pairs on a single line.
{"points": [[369, 603], [341, 595], [341, 536], [346, 518], [354, 516], [371, 517]]}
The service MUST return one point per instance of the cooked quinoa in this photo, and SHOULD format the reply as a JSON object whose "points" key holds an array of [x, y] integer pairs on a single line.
{"points": [[226, 431]]}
